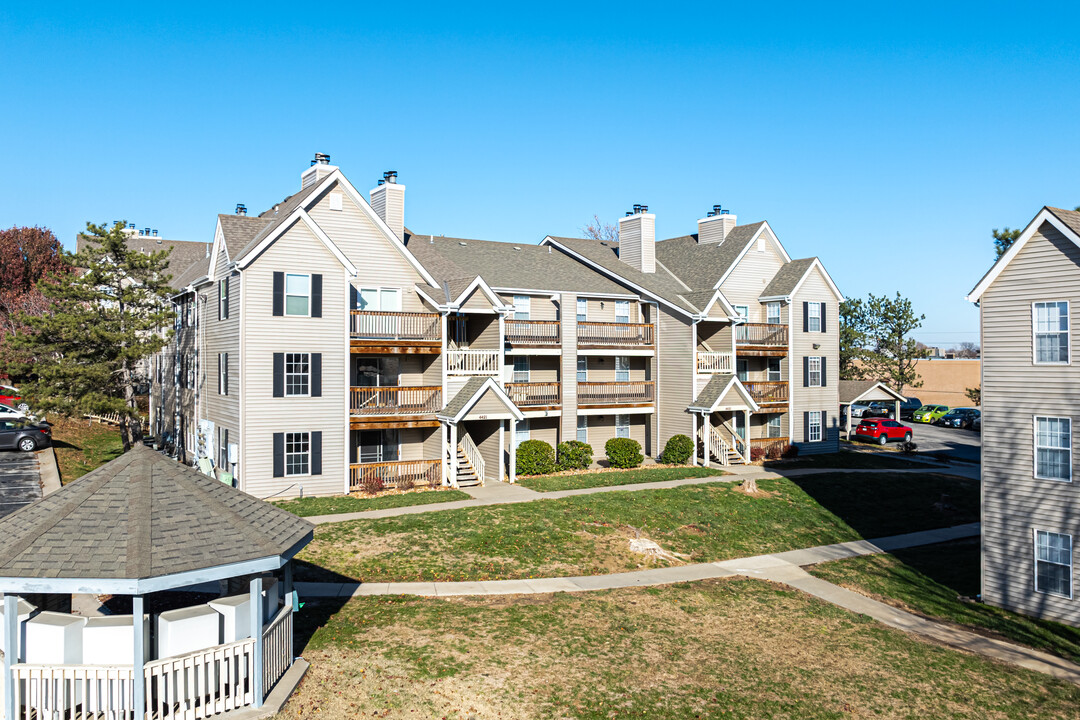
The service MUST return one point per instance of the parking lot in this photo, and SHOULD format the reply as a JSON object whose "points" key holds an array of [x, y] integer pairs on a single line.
{"points": [[20, 482], [956, 443]]}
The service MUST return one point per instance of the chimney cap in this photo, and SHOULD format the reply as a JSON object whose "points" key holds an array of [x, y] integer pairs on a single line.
{"points": [[241, 209], [321, 159], [390, 176], [638, 210]]}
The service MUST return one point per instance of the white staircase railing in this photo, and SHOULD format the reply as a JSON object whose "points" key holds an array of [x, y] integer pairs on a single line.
{"points": [[719, 448], [472, 362], [715, 362], [472, 454]]}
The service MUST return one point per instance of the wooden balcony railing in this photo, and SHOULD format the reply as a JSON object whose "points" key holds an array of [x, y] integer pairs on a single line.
{"points": [[472, 362], [407, 326], [365, 476], [767, 391], [533, 332], [770, 334], [414, 400], [715, 362], [771, 446], [616, 393], [535, 394], [615, 334]]}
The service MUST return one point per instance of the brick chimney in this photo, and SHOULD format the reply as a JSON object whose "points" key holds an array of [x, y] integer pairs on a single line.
{"points": [[320, 168], [715, 226], [388, 202], [637, 239]]}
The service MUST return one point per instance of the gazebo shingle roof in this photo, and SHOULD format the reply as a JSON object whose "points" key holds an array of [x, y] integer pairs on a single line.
{"points": [[140, 516]]}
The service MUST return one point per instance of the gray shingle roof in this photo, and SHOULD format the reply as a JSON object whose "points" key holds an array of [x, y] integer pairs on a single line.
{"points": [[275, 218], [239, 230], [184, 252], [1069, 217], [787, 277], [194, 271], [699, 298], [710, 394], [701, 265], [143, 515], [851, 389], [463, 396], [506, 265]]}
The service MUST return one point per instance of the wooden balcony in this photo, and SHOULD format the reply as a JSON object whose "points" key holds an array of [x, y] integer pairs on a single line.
{"points": [[761, 339], [614, 394], [395, 332], [382, 401], [400, 474], [535, 394], [533, 333], [715, 362], [773, 445], [616, 335], [766, 392], [472, 362]]}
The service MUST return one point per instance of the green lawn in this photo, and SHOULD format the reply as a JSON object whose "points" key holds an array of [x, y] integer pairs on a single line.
{"points": [[311, 506], [851, 460], [81, 446], [548, 483], [928, 580], [589, 534], [733, 648]]}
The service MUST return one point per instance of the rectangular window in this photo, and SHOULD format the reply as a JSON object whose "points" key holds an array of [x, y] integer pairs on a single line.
{"points": [[223, 373], [772, 313], [742, 311], [1051, 329], [774, 369], [742, 369], [376, 446], [814, 428], [813, 372], [297, 374], [813, 317], [521, 432], [582, 369], [622, 311], [521, 369], [582, 310], [1053, 563], [622, 426], [1053, 448], [297, 294], [583, 428], [297, 453], [223, 299], [774, 426], [223, 449], [384, 299], [522, 307], [622, 369]]}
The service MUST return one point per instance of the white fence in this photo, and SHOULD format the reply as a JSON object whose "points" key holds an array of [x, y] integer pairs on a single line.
{"points": [[472, 362], [277, 647], [201, 684], [715, 362], [75, 692]]}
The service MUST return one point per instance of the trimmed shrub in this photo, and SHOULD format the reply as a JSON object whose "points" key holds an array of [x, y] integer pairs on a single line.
{"points": [[573, 455], [774, 452], [678, 450], [372, 484], [623, 452], [535, 457], [790, 452], [757, 453]]}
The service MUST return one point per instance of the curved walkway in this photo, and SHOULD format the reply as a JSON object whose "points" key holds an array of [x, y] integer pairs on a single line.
{"points": [[502, 493]]}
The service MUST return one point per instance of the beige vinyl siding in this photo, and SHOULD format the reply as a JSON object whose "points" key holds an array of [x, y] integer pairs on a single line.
{"points": [[569, 364], [603, 309], [433, 445], [1014, 391], [488, 404], [602, 429], [759, 424], [601, 368], [414, 442], [541, 307], [542, 368], [297, 251], [485, 435], [546, 429], [803, 399], [675, 385], [749, 278], [714, 336], [477, 302], [222, 336]]}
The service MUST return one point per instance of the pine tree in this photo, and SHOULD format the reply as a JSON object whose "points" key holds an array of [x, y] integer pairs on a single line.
{"points": [[106, 317]]}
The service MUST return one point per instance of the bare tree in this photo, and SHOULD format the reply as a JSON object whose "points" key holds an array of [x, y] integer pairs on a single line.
{"points": [[597, 230]]}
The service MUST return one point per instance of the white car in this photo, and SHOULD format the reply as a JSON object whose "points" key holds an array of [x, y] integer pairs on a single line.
{"points": [[9, 413]]}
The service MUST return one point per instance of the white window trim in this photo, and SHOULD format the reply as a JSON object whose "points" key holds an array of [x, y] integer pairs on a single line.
{"points": [[1035, 562], [286, 295], [1035, 333], [286, 441], [810, 371], [582, 316], [1035, 448], [778, 422], [583, 361], [223, 372], [622, 360], [622, 304], [769, 315], [223, 299], [810, 426], [527, 371], [523, 308], [582, 428], [743, 311], [619, 425], [528, 432], [779, 370], [379, 289], [813, 312], [285, 380]]}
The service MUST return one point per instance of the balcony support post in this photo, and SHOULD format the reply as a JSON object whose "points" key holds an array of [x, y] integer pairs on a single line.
{"points": [[746, 444], [706, 421], [694, 435], [453, 455], [513, 453]]}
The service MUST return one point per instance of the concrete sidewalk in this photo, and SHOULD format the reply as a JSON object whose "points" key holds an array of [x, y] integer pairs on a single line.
{"points": [[501, 493]]}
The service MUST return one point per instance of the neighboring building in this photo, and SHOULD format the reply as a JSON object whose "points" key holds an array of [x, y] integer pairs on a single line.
{"points": [[323, 345], [945, 381], [1030, 399]]}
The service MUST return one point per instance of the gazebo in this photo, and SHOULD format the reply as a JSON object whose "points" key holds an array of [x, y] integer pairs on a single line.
{"points": [[138, 525], [853, 391]]}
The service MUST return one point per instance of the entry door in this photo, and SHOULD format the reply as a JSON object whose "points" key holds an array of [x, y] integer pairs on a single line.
{"points": [[378, 446], [377, 372], [740, 425]]}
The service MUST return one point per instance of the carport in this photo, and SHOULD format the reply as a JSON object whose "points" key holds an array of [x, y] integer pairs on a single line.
{"points": [[853, 391]]}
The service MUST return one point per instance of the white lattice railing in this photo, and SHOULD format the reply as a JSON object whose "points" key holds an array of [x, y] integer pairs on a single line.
{"points": [[472, 454], [715, 362], [201, 684], [472, 362], [277, 647]]}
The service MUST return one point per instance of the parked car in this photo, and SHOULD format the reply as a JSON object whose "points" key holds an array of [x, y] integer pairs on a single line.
{"points": [[10, 396], [976, 424], [882, 430], [959, 418], [858, 409], [879, 408], [24, 435], [908, 407], [9, 413], [930, 413]]}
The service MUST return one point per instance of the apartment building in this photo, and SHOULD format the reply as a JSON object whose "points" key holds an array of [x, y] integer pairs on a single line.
{"points": [[324, 344], [1030, 396]]}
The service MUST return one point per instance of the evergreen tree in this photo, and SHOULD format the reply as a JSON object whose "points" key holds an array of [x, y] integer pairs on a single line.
{"points": [[892, 355], [79, 359], [853, 338]]}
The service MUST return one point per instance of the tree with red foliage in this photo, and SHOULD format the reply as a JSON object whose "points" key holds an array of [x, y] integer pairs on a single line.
{"points": [[27, 254]]}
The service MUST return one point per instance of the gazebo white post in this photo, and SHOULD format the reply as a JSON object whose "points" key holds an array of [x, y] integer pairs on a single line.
{"points": [[896, 410], [257, 634], [694, 436], [138, 681], [706, 421], [453, 455], [11, 650], [847, 420]]}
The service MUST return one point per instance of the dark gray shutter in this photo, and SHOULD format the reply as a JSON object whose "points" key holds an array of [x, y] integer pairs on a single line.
{"points": [[824, 426], [806, 317], [279, 454], [823, 318], [220, 387], [806, 371], [228, 298], [225, 379], [316, 453], [806, 427], [354, 298], [279, 374], [824, 382], [279, 293], [220, 292], [316, 374], [316, 296]]}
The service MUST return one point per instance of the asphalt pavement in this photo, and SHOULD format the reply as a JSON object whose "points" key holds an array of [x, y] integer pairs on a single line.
{"points": [[20, 480], [953, 442]]}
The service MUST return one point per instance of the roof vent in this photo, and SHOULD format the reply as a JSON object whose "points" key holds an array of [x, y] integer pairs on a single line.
{"points": [[638, 210], [462, 244], [321, 159], [390, 176], [241, 209], [146, 232], [154, 232]]}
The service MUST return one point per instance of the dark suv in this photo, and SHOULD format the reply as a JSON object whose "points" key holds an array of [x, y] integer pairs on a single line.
{"points": [[908, 407], [24, 435]]}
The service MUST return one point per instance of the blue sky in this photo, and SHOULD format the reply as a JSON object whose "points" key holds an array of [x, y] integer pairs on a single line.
{"points": [[888, 141]]}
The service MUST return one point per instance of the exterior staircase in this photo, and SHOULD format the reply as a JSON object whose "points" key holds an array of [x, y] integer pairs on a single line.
{"points": [[470, 464]]}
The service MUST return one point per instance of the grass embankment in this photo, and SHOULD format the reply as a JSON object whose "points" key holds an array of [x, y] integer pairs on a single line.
{"points": [[589, 534], [311, 506], [929, 580], [82, 446], [550, 483], [851, 460], [733, 648]]}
